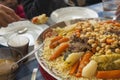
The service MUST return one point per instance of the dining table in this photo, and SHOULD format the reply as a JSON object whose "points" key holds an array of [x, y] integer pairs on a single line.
{"points": [[25, 70]]}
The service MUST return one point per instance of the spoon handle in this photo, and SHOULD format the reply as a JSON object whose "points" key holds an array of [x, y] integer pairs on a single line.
{"points": [[30, 53]]}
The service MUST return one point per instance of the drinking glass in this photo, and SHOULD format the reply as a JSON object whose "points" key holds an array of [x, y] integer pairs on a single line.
{"points": [[109, 8], [18, 44]]}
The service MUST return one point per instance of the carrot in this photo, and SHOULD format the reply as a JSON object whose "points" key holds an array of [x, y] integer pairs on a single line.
{"points": [[56, 43], [53, 41], [34, 20], [56, 38], [109, 40], [77, 32], [59, 51], [113, 74], [84, 61], [74, 68], [117, 24]]}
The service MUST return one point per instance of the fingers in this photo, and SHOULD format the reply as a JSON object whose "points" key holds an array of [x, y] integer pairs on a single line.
{"points": [[7, 15], [10, 12]]}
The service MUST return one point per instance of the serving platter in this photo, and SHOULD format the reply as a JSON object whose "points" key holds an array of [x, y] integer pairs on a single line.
{"points": [[69, 13], [40, 40]]}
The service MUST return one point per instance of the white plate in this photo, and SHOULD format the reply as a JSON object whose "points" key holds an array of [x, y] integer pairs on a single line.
{"points": [[69, 13], [33, 31]]}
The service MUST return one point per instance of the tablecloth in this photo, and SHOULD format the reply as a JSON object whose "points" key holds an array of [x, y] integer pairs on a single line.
{"points": [[25, 70]]}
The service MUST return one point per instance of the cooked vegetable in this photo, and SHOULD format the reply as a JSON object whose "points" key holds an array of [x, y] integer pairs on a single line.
{"points": [[59, 51], [56, 38], [56, 43], [74, 68], [109, 41], [72, 58], [85, 60], [113, 74], [107, 62], [77, 32], [90, 69]]}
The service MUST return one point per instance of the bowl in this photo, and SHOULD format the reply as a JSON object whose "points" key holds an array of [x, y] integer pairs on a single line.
{"points": [[8, 67]]}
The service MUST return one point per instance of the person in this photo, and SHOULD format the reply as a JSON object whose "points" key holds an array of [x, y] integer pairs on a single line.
{"points": [[7, 15], [34, 8], [15, 5]]}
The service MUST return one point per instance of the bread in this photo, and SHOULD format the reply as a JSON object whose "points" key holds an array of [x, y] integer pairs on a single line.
{"points": [[41, 19]]}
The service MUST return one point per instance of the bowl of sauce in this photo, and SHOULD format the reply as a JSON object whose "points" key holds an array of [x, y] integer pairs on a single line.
{"points": [[8, 66]]}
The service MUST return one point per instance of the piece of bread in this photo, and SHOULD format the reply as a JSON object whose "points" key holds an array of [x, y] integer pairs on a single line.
{"points": [[41, 19]]}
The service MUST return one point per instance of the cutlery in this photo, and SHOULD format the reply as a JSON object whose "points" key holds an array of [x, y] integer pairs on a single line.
{"points": [[34, 73]]}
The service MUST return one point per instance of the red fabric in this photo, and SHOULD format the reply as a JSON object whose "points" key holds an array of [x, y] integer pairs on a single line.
{"points": [[20, 11], [45, 74]]}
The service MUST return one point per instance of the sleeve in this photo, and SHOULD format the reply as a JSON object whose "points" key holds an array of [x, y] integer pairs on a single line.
{"points": [[35, 7]]}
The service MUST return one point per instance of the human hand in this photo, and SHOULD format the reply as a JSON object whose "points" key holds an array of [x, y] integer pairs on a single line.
{"points": [[7, 15]]}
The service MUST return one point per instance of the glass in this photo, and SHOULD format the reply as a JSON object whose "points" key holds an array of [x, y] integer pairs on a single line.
{"points": [[18, 44], [109, 8]]}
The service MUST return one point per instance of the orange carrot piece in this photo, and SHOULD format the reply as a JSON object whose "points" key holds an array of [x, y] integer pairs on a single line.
{"points": [[56, 43], [53, 41], [59, 51], [74, 68], [109, 40], [34, 20], [85, 60], [56, 38], [113, 74], [77, 32], [117, 24]]}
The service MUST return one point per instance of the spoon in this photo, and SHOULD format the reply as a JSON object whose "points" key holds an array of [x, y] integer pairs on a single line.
{"points": [[34, 73], [30, 53], [22, 30]]}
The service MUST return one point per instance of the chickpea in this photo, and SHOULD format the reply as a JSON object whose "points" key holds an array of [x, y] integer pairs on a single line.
{"points": [[108, 52], [117, 50]]}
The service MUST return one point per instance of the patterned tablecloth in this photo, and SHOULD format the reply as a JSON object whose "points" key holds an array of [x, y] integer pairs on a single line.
{"points": [[25, 70]]}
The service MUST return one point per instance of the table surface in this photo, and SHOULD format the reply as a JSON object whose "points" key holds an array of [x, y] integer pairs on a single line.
{"points": [[25, 70]]}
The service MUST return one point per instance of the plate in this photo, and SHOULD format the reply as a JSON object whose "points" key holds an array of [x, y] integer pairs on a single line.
{"points": [[69, 13], [40, 40], [32, 32]]}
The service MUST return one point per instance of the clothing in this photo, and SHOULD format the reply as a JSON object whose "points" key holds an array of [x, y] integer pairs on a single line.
{"points": [[36, 7], [20, 11]]}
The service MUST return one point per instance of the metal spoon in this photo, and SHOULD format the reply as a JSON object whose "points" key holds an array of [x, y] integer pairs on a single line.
{"points": [[34, 73], [22, 30]]}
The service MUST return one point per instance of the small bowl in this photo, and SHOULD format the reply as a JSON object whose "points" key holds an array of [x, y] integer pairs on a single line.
{"points": [[8, 67]]}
